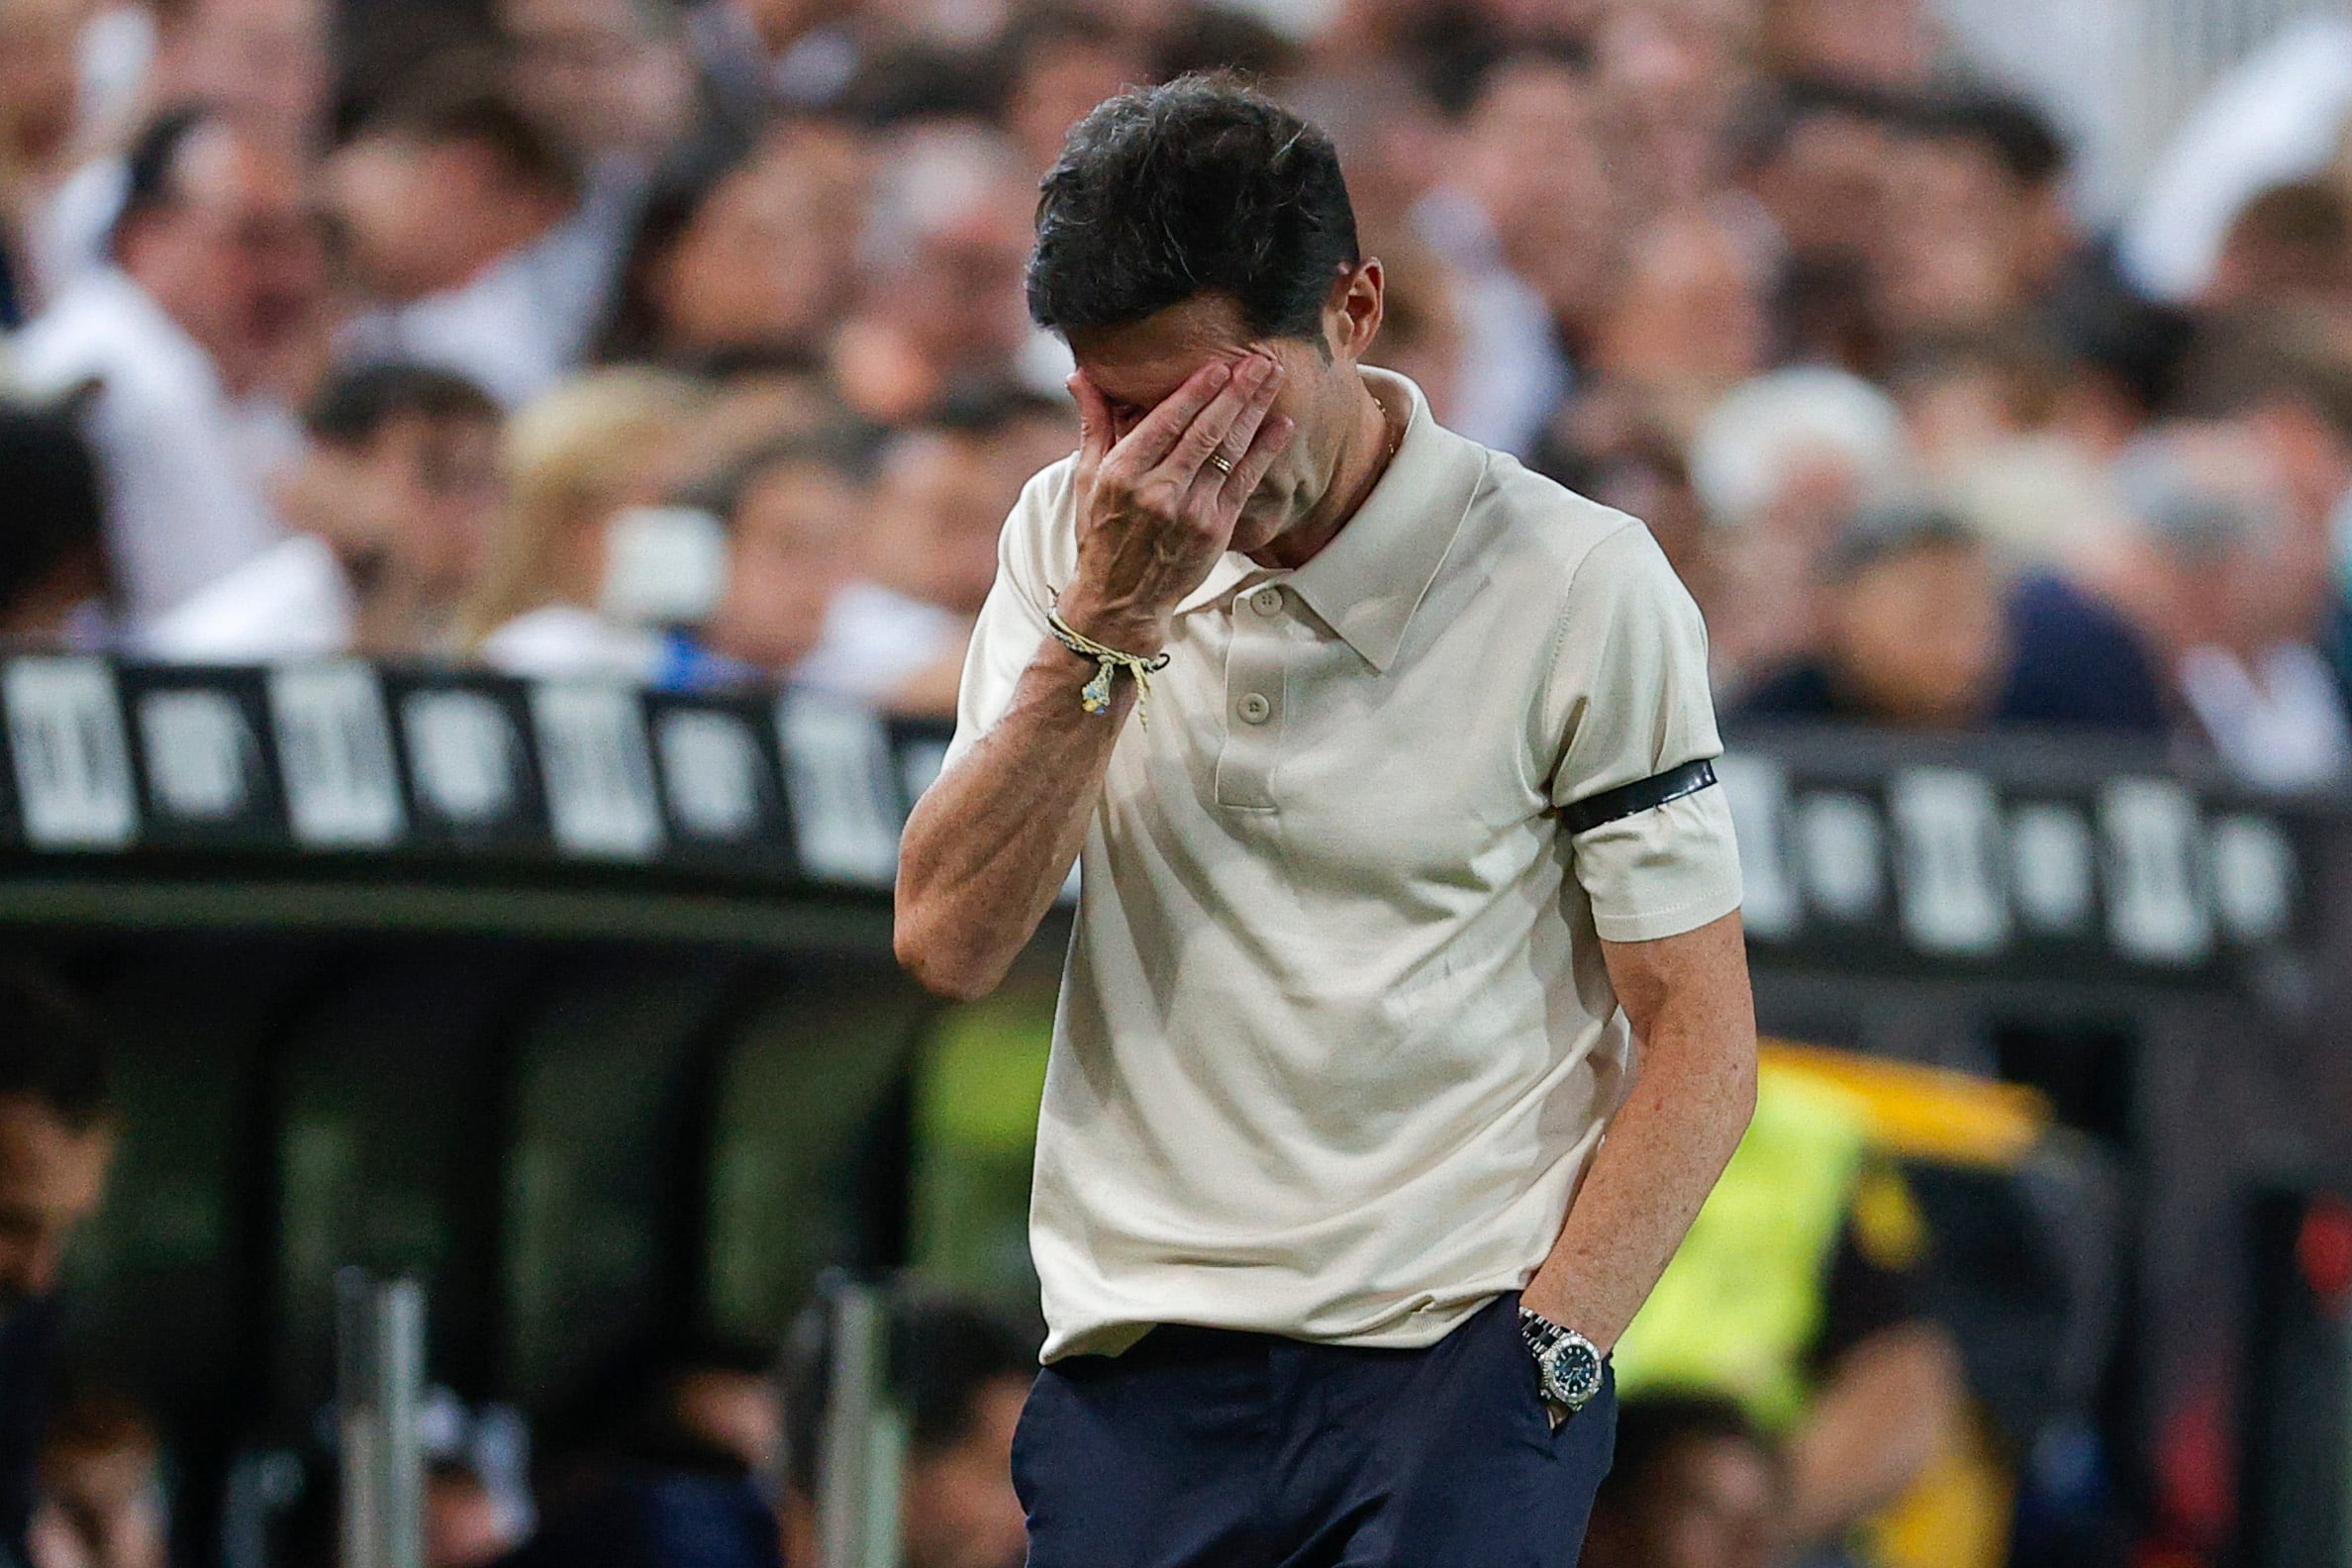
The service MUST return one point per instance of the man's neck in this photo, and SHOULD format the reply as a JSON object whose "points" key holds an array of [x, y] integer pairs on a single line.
{"points": [[1363, 458]]}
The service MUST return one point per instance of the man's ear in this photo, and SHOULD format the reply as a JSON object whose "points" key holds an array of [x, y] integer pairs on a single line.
{"points": [[1359, 303]]}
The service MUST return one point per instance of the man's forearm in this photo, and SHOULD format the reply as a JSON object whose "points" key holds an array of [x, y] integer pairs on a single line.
{"points": [[1692, 1098], [991, 842]]}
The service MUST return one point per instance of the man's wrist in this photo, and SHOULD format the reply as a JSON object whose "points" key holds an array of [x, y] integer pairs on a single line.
{"points": [[1130, 630]]}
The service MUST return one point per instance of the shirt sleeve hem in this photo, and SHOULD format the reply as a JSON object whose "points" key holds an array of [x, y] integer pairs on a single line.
{"points": [[1655, 925]]}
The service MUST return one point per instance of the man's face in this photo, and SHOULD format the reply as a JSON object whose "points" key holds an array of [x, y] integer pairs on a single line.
{"points": [[419, 496], [736, 1411], [946, 497], [596, 74], [235, 258], [1135, 367], [788, 555], [1918, 635], [1956, 253], [51, 1178], [959, 1509]]}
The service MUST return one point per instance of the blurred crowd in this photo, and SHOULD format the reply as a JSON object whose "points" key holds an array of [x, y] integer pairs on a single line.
{"points": [[686, 341]]}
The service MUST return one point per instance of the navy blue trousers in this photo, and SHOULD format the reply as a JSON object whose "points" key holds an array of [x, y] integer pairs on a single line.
{"points": [[1201, 1449]]}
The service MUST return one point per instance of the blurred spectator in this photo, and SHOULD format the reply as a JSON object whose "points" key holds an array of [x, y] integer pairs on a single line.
{"points": [[2234, 590], [1922, 629], [53, 518], [574, 460], [1694, 1485], [1911, 629], [961, 1376], [1535, 240], [1687, 322], [2275, 117], [945, 246], [1819, 160], [102, 1503], [660, 1461], [465, 1523], [1670, 79], [400, 478], [198, 338], [1976, 229], [897, 638], [608, 79], [391, 504], [1797, 1295], [1780, 465], [2291, 243], [1060, 62], [749, 258], [38, 85], [263, 63], [56, 1144], [761, 55], [792, 513], [453, 205]]}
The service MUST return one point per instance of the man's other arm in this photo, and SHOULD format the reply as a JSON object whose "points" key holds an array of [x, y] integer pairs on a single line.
{"points": [[1686, 998]]}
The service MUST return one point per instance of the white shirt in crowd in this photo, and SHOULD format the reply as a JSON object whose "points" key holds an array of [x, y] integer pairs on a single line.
{"points": [[876, 639], [523, 322], [2279, 724], [1335, 1037], [187, 466]]}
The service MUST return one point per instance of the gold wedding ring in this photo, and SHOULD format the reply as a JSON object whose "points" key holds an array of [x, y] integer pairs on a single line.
{"points": [[1218, 461]]}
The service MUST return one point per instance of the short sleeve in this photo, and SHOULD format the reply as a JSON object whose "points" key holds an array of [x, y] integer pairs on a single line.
{"points": [[1627, 698], [1011, 621]]}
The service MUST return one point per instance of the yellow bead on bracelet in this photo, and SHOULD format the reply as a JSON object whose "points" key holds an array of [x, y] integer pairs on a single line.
{"points": [[1095, 695]]}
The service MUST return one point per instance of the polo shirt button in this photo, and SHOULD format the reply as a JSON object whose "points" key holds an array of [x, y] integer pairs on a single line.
{"points": [[1266, 601], [1255, 709]]}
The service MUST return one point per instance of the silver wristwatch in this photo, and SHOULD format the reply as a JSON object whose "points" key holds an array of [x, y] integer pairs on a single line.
{"points": [[1567, 1364]]}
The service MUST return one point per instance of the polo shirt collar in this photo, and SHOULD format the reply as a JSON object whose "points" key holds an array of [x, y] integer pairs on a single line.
{"points": [[1368, 580]]}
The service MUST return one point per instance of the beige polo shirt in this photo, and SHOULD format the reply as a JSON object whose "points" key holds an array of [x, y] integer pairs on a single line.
{"points": [[1335, 1038]]}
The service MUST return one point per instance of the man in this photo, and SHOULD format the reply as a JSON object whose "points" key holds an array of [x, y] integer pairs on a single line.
{"points": [[57, 1141], [1416, 841], [194, 336], [458, 210], [1921, 630], [392, 503], [658, 1463]]}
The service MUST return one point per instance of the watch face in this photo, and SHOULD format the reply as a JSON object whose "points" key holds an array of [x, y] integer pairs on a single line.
{"points": [[1573, 1371]]}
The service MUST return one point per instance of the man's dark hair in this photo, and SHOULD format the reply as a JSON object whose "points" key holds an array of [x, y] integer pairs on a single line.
{"points": [[1200, 186], [2017, 136], [51, 1049], [2245, 359], [461, 100], [52, 504], [151, 167], [358, 400]]}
